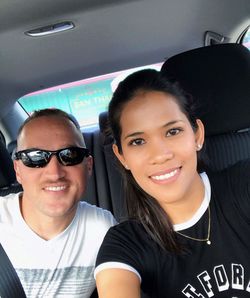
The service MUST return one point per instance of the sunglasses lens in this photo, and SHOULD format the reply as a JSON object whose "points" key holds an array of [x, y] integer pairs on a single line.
{"points": [[72, 156], [35, 159]]}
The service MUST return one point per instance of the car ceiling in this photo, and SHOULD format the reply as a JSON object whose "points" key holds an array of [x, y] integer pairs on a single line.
{"points": [[109, 35]]}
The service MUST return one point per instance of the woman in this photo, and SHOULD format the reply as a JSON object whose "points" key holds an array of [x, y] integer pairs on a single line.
{"points": [[188, 232]]}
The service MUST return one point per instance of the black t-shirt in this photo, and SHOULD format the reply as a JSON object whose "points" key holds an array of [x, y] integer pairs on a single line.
{"points": [[221, 269]]}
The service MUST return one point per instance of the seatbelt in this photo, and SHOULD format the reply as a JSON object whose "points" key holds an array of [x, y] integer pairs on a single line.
{"points": [[10, 285]]}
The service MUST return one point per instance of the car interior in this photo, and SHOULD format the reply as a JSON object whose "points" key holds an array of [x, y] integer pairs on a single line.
{"points": [[204, 45]]}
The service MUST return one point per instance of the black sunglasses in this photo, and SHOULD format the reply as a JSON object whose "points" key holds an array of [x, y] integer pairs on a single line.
{"points": [[38, 158]]}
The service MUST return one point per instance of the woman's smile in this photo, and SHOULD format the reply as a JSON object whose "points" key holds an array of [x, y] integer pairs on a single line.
{"points": [[166, 176]]}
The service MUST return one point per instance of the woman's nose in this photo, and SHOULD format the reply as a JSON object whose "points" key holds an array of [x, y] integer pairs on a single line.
{"points": [[161, 152]]}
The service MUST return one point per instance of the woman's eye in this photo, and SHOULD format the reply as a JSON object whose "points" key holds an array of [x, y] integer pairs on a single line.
{"points": [[137, 142], [173, 132]]}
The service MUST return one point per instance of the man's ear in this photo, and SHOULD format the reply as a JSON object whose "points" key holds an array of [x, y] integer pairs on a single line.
{"points": [[17, 170], [89, 165], [119, 156]]}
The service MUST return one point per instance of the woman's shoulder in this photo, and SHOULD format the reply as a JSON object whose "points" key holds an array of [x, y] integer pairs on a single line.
{"points": [[233, 183], [129, 225], [126, 231], [236, 172]]}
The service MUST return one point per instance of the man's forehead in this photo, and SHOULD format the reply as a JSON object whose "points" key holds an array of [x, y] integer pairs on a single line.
{"points": [[50, 118], [50, 126]]}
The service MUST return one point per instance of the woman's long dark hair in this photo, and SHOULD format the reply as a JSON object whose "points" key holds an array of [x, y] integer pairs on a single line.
{"points": [[140, 205]]}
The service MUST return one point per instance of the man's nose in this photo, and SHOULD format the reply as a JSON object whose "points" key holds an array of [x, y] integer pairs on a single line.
{"points": [[54, 168]]}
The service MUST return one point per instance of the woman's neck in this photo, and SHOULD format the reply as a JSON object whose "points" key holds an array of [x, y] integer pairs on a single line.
{"points": [[184, 209]]}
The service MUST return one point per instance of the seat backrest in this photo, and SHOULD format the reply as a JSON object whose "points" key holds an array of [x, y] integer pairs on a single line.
{"points": [[11, 147], [8, 183], [218, 77], [113, 169], [2, 138], [105, 185]]}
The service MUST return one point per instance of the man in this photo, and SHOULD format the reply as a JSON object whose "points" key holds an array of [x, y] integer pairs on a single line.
{"points": [[52, 238]]}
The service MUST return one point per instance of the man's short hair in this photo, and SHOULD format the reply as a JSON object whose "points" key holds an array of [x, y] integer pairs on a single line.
{"points": [[49, 112]]}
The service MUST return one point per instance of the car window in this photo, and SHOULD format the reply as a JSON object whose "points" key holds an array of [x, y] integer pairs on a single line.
{"points": [[84, 99], [245, 39]]}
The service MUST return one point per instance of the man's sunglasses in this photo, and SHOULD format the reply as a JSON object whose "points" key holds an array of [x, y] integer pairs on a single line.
{"points": [[38, 158]]}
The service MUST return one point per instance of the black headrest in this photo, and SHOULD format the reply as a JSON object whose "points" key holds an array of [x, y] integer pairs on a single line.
{"points": [[74, 120], [7, 172], [218, 77], [11, 147], [103, 121], [104, 128]]}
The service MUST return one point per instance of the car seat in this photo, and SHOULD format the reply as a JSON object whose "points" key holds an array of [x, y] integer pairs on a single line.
{"points": [[218, 77], [105, 185], [2, 138], [8, 183]]}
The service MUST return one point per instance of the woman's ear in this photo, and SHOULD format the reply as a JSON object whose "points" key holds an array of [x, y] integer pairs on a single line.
{"points": [[119, 156], [200, 134]]}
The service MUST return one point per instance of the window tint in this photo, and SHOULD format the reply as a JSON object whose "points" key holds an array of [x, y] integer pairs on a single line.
{"points": [[85, 99]]}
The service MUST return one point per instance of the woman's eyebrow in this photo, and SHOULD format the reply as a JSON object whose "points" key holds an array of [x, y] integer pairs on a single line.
{"points": [[172, 122], [134, 134], [138, 133]]}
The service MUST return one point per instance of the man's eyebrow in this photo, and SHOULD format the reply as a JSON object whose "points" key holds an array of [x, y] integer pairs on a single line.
{"points": [[138, 133]]}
